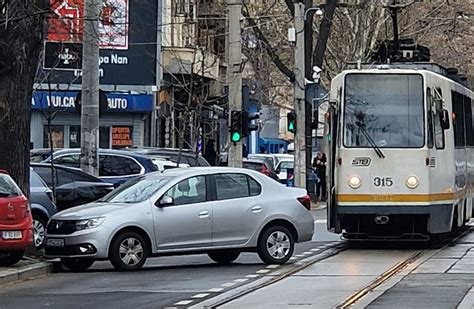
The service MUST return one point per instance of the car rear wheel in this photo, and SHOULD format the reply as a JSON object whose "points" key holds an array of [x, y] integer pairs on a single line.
{"points": [[276, 245], [77, 264], [39, 229], [10, 258], [224, 257], [128, 251]]}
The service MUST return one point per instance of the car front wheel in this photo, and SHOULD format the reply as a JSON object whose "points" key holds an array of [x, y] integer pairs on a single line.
{"points": [[10, 258], [77, 264], [276, 245], [224, 257], [128, 251]]}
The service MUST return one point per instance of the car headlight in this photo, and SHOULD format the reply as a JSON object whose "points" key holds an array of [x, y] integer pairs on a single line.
{"points": [[89, 223], [355, 182], [412, 182]]}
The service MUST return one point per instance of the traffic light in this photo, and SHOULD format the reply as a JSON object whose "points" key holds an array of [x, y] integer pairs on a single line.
{"points": [[291, 122], [236, 126], [247, 125]]}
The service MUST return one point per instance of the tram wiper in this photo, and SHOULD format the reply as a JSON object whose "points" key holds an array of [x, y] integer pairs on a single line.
{"points": [[376, 148]]}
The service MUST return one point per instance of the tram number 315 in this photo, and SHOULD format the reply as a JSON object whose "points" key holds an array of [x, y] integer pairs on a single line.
{"points": [[383, 181]]}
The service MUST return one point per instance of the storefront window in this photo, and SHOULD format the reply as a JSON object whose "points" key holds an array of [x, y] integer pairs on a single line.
{"points": [[74, 137], [57, 137], [104, 137]]}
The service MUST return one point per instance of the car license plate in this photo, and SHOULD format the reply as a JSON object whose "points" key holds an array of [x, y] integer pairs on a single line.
{"points": [[12, 235], [54, 242]]}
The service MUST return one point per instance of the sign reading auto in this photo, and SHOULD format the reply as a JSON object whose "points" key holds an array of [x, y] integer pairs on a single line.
{"points": [[127, 38]]}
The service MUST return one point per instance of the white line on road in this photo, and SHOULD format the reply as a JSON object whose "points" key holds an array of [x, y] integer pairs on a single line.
{"points": [[315, 249], [273, 266], [252, 276], [263, 271], [321, 221], [184, 302], [228, 284], [293, 258], [307, 253], [241, 280], [299, 255], [215, 290], [201, 295]]}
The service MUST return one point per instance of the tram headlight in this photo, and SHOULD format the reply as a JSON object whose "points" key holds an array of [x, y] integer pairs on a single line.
{"points": [[355, 182], [412, 182]]}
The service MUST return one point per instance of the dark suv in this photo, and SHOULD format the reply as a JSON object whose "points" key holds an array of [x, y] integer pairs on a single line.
{"points": [[173, 154], [115, 166]]}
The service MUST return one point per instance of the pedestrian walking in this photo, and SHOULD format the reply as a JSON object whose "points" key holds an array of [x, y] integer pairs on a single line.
{"points": [[319, 165]]}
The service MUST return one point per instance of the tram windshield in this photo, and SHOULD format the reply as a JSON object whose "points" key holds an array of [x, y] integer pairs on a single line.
{"points": [[387, 108]]}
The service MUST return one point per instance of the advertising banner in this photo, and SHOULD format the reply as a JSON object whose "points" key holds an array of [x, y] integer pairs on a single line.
{"points": [[128, 42]]}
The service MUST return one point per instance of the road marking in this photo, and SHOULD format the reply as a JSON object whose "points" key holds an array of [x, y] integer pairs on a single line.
{"points": [[241, 280], [307, 253], [252, 276], [228, 284], [315, 249], [321, 221], [273, 266], [184, 302], [263, 271], [293, 258], [215, 290], [299, 255], [202, 295]]}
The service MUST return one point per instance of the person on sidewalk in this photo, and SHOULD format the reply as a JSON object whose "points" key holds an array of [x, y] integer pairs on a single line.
{"points": [[319, 164], [210, 154]]}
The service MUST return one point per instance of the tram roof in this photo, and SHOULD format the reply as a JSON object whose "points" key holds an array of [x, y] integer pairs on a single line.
{"points": [[450, 73]]}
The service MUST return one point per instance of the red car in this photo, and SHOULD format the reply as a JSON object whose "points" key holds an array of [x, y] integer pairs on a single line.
{"points": [[16, 223]]}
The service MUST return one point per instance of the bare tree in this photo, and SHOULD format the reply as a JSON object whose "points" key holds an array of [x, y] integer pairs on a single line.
{"points": [[21, 35]]}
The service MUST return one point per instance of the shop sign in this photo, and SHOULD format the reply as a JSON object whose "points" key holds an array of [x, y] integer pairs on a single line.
{"points": [[116, 102], [122, 137]]}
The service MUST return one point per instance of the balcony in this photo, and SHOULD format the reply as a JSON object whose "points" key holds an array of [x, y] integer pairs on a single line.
{"points": [[187, 61]]}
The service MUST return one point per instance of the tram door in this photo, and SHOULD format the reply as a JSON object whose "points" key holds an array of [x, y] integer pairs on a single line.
{"points": [[332, 117]]}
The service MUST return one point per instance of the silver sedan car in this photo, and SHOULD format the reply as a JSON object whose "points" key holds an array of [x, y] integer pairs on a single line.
{"points": [[218, 211]]}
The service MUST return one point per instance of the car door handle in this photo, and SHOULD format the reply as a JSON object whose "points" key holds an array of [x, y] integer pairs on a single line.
{"points": [[204, 214], [256, 209]]}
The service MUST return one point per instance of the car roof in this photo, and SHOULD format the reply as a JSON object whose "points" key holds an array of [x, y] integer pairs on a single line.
{"points": [[254, 160], [62, 167], [176, 172], [101, 151], [157, 150]]}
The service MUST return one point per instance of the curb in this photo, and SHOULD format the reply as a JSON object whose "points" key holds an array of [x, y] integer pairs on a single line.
{"points": [[25, 273]]}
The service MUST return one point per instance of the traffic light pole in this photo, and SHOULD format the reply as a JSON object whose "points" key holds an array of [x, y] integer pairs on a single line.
{"points": [[234, 76], [299, 97]]}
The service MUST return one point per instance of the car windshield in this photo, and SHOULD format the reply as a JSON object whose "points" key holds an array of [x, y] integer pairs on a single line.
{"points": [[383, 110], [136, 190], [8, 187]]}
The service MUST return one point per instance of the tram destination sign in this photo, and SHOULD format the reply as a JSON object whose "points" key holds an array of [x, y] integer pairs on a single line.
{"points": [[127, 41]]}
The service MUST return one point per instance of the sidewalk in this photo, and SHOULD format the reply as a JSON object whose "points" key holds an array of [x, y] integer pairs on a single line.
{"points": [[24, 270], [437, 279]]}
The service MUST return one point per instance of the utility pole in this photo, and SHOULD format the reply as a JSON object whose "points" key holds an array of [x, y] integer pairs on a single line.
{"points": [[234, 75], [90, 89], [299, 97]]}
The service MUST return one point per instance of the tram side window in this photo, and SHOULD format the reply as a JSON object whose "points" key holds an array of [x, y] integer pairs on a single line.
{"points": [[458, 110], [468, 121], [437, 114]]}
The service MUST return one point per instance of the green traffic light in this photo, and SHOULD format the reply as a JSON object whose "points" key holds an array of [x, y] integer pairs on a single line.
{"points": [[236, 137], [291, 127]]}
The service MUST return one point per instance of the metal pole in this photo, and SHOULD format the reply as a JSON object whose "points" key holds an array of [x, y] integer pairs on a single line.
{"points": [[90, 88], [299, 98], [158, 78], [234, 74]]}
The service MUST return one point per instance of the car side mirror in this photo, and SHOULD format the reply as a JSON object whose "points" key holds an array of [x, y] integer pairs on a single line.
{"points": [[444, 119], [165, 201]]}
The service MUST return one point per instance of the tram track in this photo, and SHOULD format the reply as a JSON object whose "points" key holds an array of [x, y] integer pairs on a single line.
{"points": [[388, 274], [320, 256]]}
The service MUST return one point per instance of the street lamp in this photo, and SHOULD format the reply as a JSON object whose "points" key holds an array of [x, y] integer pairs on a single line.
{"points": [[318, 12]]}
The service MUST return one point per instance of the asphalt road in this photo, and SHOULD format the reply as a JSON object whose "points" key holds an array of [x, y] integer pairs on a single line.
{"points": [[165, 281]]}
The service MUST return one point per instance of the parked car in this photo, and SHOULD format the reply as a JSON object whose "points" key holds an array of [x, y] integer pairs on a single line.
{"points": [[219, 211], [282, 169], [72, 187], [268, 156], [16, 223], [42, 207], [115, 166], [262, 165], [40, 154], [173, 154]]}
